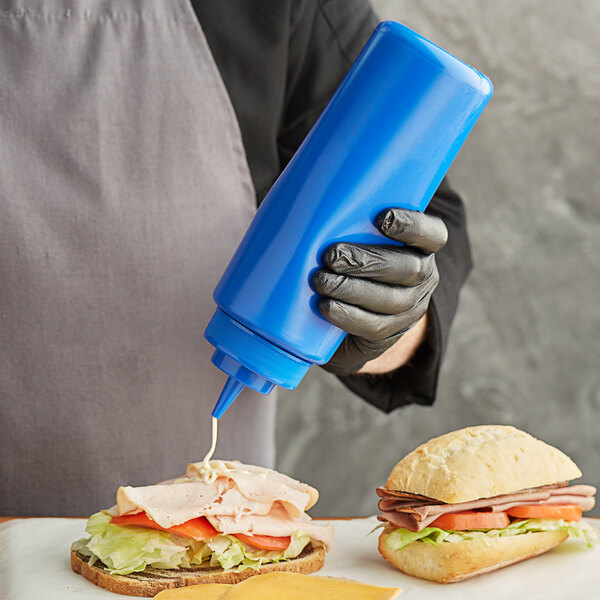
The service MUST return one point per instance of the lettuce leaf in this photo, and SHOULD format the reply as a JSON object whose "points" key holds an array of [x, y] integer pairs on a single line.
{"points": [[229, 552], [128, 549], [399, 538], [298, 542]]}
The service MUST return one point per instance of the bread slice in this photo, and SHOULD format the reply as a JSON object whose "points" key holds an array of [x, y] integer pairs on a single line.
{"points": [[480, 462], [151, 581], [449, 562]]}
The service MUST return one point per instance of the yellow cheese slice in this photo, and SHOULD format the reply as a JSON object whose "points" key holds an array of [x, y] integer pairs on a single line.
{"points": [[295, 586], [204, 591], [283, 586]]}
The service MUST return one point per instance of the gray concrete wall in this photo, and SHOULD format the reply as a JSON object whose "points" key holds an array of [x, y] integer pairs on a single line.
{"points": [[525, 347]]}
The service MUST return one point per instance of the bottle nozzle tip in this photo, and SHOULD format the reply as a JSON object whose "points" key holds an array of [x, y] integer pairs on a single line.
{"points": [[230, 392]]}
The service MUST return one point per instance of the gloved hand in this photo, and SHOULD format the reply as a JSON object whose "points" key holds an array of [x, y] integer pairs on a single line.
{"points": [[377, 293]]}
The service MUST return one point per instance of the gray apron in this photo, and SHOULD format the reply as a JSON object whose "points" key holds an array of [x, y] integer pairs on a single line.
{"points": [[124, 190]]}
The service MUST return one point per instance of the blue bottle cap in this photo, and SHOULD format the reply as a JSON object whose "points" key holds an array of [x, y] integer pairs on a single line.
{"points": [[249, 360]]}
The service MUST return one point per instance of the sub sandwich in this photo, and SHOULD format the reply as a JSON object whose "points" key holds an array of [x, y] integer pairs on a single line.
{"points": [[216, 525], [479, 499]]}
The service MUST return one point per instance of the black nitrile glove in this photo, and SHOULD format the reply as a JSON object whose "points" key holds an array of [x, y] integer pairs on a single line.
{"points": [[377, 293]]}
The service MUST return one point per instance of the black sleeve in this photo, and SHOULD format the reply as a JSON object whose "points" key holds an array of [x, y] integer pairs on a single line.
{"points": [[326, 39]]}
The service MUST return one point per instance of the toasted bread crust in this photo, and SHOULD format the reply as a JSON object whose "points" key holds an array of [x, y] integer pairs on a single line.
{"points": [[151, 581], [480, 462], [450, 562]]}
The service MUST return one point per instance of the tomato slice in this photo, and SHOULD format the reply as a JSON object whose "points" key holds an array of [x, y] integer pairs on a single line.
{"points": [[197, 529], [471, 519], [265, 542], [201, 529], [568, 512]]}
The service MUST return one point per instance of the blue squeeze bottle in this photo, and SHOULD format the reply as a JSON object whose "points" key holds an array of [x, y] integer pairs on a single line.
{"points": [[386, 139]]}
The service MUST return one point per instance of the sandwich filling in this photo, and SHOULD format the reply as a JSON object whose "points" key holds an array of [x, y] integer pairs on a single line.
{"points": [[411, 517], [239, 517]]}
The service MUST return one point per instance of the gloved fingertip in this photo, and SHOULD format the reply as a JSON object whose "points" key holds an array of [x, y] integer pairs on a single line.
{"points": [[331, 255], [332, 310], [384, 220], [326, 305], [316, 280], [322, 281], [393, 221]]}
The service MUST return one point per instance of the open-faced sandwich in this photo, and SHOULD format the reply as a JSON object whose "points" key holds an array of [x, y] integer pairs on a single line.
{"points": [[220, 524], [478, 499]]}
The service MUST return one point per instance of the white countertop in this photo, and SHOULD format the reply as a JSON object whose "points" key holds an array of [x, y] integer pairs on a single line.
{"points": [[34, 563]]}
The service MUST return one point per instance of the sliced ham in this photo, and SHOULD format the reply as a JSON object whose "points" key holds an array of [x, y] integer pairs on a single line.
{"points": [[398, 519], [585, 502], [575, 490], [277, 523], [169, 504], [398, 509], [383, 492], [243, 499], [266, 485], [423, 511], [394, 504]]}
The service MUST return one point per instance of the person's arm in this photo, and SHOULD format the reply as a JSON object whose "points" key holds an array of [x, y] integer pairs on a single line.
{"points": [[400, 353], [378, 293], [415, 382]]}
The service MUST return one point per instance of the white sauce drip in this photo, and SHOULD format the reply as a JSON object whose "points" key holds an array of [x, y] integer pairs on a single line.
{"points": [[213, 469], [213, 446]]}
